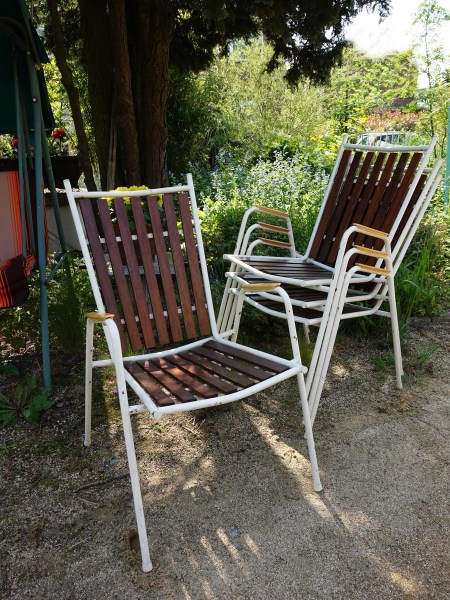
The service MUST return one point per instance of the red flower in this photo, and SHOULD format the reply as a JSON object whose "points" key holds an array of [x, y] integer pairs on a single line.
{"points": [[15, 142], [59, 134]]}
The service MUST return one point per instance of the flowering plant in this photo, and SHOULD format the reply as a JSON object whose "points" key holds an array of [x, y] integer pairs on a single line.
{"points": [[127, 203], [8, 146], [59, 144]]}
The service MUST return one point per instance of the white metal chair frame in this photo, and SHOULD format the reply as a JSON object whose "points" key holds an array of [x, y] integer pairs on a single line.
{"points": [[340, 298], [294, 367]]}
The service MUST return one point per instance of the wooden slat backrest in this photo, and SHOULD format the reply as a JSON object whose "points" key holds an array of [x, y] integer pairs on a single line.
{"points": [[148, 268], [368, 188]]}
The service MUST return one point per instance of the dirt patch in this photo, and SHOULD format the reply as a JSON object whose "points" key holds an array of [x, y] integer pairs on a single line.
{"points": [[229, 503]]}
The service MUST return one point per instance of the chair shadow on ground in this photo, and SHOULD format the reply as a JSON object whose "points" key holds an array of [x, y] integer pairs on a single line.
{"points": [[228, 494]]}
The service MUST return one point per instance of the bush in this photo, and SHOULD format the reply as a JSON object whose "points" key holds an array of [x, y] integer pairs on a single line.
{"points": [[290, 184], [422, 281], [68, 300]]}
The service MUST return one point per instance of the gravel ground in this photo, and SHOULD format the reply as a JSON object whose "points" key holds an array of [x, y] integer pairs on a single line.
{"points": [[229, 502]]}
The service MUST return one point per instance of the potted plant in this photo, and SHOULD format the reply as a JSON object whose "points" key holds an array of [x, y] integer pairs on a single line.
{"points": [[64, 164]]}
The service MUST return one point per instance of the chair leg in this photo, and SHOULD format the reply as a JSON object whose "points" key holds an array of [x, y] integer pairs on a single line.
{"points": [[226, 305], [309, 433], [238, 305], [134, 475], [88, 382], [306, 333], [395, 333]]}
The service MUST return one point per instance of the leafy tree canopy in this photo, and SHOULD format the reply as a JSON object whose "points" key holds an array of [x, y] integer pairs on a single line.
{"points": [[129, 46], [307, 35]]}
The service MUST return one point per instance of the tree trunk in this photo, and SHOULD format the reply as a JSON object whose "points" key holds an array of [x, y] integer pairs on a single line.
{"points": [[100, 76], [72, 92], [124, 106], [154, 22]]}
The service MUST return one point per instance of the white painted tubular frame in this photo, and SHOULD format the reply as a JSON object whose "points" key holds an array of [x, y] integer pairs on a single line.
{"points": [[294, 367]]}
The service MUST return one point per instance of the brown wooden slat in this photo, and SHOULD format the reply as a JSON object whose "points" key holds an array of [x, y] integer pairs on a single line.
{"points": [[199, 388], [182, 361], [390, 204], [149, 271], [237, 378], [164, 379], [178, 263], [100, 265], [369, 191], [356, 198], [164, 268], [367, 214], [386, 203], [330, 202], [194, 266], [286, 268], [401, 193], [137, 287], [126, 300], [264, 363], [159, 397], [335, 219], [237, 365]]}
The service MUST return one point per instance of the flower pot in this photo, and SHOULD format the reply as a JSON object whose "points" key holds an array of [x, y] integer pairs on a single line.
{"points": [[65, 167]]}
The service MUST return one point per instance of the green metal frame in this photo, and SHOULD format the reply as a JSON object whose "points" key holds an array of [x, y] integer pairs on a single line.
{"points": [[30, 109]]}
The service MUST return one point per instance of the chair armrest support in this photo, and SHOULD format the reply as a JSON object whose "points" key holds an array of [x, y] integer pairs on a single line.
{"points": [[99, 317], [370, 231], [272, 211], [267, 286]]}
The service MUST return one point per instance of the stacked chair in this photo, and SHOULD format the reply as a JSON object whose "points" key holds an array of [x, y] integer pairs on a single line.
{"points": [[373, 205], [150, 282]]}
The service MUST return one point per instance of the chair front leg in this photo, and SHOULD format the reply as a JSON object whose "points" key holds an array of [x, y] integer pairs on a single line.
{"points": [[88, 381], [116, 355]]}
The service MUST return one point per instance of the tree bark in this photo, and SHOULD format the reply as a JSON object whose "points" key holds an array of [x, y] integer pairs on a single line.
{"points": [[72, 93], [100, 76], [154, 22], [124, 107]]}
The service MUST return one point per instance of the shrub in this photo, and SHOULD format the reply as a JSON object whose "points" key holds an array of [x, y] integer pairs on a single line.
{"points": [[422, 281], [291, 184], [68, 300]]}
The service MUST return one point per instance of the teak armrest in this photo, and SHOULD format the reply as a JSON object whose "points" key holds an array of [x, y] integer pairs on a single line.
{"points": [[99, 317]]}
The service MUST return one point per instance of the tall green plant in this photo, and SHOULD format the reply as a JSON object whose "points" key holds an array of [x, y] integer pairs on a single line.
{"points": [[423, 279], [70, 294], [433, 61], [293, 184], [261, 110], [362, 85]]}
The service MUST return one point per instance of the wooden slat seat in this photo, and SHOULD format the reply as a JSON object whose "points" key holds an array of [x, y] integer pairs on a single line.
{"points": [[208, 371]]}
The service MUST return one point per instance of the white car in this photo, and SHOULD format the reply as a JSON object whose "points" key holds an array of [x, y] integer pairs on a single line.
{"points": [[383, 138]]}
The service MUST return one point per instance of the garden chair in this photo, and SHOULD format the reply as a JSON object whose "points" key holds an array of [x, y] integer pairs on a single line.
{"points": [[373, 205], [156, 310]]}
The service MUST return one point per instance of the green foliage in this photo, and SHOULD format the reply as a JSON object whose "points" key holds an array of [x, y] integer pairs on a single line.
{"points": [[261, 110], [422, 281], [7, 150], [361, 85], [433, 65], [294, 185], [68, 300], [69, 297], [307, 39], [25, 399], [195, 120]]}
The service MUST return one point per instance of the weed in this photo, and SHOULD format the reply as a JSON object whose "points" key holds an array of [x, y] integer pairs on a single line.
{"points": [[6, 448], [26, 399], [382, 364]]}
